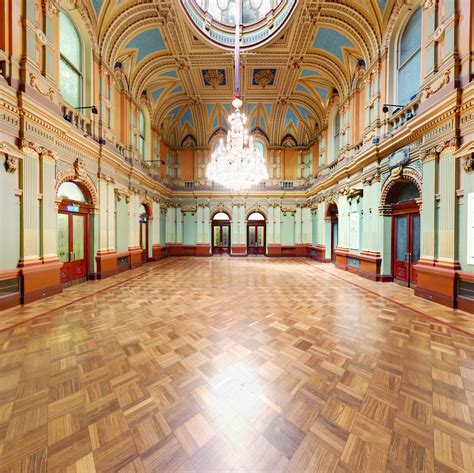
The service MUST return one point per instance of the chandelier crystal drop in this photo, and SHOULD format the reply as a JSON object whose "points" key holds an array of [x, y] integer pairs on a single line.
{"points": [[236, 164]]}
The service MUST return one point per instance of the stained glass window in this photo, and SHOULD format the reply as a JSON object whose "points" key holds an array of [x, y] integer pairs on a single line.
{"points": [[409, 59], [70, 62]]}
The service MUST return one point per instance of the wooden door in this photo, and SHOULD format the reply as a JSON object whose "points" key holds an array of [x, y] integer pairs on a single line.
{"points": [[220, 238], [72, 246], [406, 248], [256, 238]]}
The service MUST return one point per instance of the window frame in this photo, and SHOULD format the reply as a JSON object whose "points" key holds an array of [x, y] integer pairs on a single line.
{"points": [[68, 62], [400, 66]]}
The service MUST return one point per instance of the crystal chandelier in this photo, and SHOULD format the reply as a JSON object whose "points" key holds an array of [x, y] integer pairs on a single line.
{"points": [[236, 164]]}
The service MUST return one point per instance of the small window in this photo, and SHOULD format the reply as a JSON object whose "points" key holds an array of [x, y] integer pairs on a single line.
{"points": [[221, 216], [70, 61], [143, 210], [409, 59], [71, 191], [256, 216]]}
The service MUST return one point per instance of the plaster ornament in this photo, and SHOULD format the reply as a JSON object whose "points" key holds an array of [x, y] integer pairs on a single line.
{"points": [[80, 168], [10, 164], [264, 77], [468, 163], [214, 77]]}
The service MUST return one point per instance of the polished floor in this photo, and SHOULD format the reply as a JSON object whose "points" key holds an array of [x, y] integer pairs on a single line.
{"points": [[220, 364]]}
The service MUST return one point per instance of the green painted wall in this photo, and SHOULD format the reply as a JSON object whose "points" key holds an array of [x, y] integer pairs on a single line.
{"points": [[189, 228], [163, 227], [314, 228], [288, 229], [9, 212], [122, 223]]}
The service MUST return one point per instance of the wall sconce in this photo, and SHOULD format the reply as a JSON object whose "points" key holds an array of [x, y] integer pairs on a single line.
{"points": [[92, 107], [386, 106]]}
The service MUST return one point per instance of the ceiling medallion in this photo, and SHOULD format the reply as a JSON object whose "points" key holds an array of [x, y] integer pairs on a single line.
{"points": [[236, 164], [264, 77], [214, 77]]}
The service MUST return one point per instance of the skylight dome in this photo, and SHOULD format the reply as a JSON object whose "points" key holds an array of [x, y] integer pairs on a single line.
{"points": [[261, 19]]}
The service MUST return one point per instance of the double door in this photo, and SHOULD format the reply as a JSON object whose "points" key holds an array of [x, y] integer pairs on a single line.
{"points": [[256, 238], [406, 248], [71, 244], [221, 238]]}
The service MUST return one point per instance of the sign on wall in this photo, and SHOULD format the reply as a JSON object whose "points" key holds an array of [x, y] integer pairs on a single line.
{"points": [[354, 230], [470, 228]]}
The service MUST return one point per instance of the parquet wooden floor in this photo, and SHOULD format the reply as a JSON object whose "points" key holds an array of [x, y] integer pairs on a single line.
{"points": [[219, 364]]}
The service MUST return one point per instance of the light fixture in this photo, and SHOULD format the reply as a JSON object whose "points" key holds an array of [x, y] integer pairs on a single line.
{"points": [[387, 105], [236, 164], [92, 107]]}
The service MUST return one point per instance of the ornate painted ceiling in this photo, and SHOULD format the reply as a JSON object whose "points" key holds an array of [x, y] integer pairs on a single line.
{"points": [[288, 82]]}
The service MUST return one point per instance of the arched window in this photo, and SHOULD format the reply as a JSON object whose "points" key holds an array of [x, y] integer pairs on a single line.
{"points": [[409, 59], [221, 216], [70, 62], [256, 216], [142, 134], [69, 190], [337, 131]]}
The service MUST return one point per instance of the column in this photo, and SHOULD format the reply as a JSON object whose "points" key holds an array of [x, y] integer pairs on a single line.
{"points": [[48, 209], [235, 224], [298, 225], [270, 224], [170, 224], [277, 223], [307, 225], [111, 214], [156, 222], [428, 211], [179, 225], [207, 225], [447, 211], [242, 225], [200, 223], [29, 179]]}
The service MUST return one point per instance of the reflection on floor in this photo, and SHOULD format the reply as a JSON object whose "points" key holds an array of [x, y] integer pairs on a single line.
{"points": [[227, 364]]}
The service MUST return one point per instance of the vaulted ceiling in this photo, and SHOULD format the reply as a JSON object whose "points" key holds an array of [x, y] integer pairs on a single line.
{"points": [[288, 83]]}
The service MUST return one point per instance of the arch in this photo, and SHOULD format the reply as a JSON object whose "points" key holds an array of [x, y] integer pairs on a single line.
{"points": [[148, 207], [405, 175], [256, 209], [70, 174], [221, 208], [331, 207]]}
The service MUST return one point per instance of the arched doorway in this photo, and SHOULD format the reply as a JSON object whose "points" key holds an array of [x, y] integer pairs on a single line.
{"points": [[73, 231], [256, 234], [402, 199], [221, 233], [332, 214], [144, 217]]}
